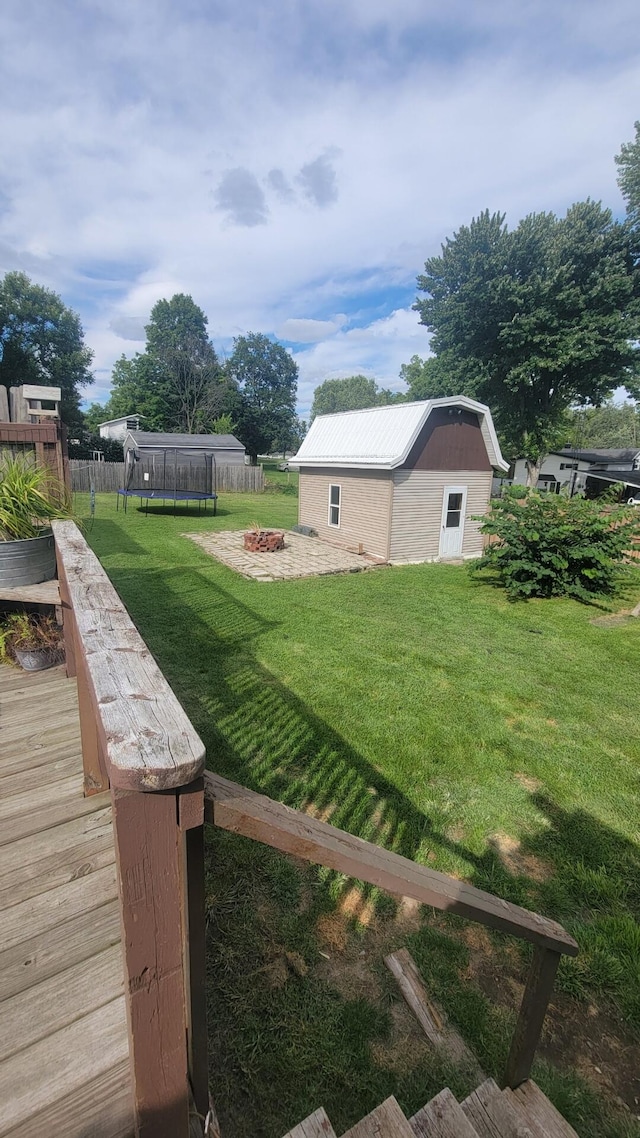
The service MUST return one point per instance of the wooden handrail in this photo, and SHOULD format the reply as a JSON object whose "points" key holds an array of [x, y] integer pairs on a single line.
{"points": [[242, 811], [252, 815], [137, 740], [149, 743]]}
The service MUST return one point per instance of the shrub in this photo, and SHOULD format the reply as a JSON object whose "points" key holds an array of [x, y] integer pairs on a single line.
{"points": [[546, 545]]}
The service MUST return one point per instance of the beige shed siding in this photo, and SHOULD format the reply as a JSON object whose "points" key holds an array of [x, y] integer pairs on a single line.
{"points": [[365, 507], [417, 511]]}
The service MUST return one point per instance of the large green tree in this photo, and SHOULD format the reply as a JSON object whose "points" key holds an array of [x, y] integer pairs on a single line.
{"points": [[349, 394], [177, 383], [267, 377], [614, 425], [41, 342], [531, 321]]}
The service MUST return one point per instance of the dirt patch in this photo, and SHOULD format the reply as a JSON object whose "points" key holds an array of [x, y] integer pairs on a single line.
{"points": [[577, 1036], [529, 783], [351, 976], [406, 1047], [519, 863], [356, 907], [332, 931], [613, 620]]}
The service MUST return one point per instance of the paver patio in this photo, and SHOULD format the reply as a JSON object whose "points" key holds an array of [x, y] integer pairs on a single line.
{"points": [[301, 556]]}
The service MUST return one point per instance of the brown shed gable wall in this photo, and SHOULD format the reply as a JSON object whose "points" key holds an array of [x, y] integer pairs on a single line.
{"points": [[451, 439]]}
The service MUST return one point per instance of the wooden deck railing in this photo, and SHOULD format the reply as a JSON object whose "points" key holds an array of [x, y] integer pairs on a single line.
{"points": [[138, 741], [242, 812]]}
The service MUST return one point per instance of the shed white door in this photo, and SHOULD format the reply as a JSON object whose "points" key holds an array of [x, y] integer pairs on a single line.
{"points": [[454, 504]]}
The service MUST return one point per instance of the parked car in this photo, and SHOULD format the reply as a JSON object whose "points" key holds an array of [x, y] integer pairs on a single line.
{"points": [[283, 466]]}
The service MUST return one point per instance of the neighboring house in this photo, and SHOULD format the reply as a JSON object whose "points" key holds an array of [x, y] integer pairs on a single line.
{"points": [[116, 429], [400, 482], [573, 470]]}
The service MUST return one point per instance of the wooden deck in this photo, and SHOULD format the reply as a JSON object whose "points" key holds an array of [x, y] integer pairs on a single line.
{"points": [[64, 1053]]}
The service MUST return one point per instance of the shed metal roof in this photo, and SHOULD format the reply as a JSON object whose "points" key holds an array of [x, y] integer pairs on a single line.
{"points": [[381, 437], [160, 440]]}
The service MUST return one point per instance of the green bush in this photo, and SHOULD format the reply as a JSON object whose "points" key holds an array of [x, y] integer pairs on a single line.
{"points": [[546, 545]]}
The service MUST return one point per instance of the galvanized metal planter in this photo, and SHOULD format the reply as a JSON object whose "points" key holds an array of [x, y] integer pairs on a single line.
{"points": [[36, 659], [27, 562]]}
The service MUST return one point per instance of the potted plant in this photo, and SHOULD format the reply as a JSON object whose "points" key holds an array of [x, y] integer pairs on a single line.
{"points": [[32, 641], [30, 498]]}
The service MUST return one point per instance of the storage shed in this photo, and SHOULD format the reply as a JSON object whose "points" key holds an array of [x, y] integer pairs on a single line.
{"points": [[401, 482]]}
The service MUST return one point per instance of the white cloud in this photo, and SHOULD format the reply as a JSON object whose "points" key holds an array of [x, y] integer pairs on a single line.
{"points": [[377, 351], [309, 331]]}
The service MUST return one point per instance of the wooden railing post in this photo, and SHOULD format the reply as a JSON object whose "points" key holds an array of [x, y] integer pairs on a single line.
{"points": [[533, 1009], [149, 851], [191, 814], [68, 623]]}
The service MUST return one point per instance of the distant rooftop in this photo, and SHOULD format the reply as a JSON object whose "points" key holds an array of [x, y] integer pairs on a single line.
{"points": [[166, 440], [606, 454]]}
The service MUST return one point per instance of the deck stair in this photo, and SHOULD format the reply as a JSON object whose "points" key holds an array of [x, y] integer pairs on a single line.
{"points": [[488, 1112]]}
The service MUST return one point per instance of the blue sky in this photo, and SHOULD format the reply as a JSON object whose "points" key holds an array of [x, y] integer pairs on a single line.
{"points": [[292, 165]]}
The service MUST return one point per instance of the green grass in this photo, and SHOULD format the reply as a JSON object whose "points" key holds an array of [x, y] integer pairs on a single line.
{"points": [[418, 708], [279, 481]]}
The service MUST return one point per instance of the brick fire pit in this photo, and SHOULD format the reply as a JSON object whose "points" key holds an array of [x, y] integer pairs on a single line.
{"points": [[266, 541]]}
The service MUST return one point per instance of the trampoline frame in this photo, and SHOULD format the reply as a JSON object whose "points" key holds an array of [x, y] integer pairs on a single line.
{"points": [[174, 496]]}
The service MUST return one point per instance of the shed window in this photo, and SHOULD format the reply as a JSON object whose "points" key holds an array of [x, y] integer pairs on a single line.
{"points": [[334, 505], [454, 509]]}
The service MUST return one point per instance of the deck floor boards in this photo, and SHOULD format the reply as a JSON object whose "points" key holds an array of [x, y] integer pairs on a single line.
{"points": [[64, 1062]]}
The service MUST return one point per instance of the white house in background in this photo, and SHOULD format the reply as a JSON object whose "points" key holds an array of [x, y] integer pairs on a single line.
{"points": [[116, 429], [568, 469]]}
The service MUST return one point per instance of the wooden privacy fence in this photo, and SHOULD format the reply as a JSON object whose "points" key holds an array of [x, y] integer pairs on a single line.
{"points": [[103, 475], [137, 740], [107, 476]]}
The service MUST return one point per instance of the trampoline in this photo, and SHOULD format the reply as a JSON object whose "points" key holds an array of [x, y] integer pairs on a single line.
{"points": [[167, 496], [169, 468]]}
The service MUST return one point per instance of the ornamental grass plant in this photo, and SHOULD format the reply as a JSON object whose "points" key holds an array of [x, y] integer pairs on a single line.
{"points": [[31, 497]]}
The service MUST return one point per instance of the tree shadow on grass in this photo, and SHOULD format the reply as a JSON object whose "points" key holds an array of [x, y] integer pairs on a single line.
{"points": [[260, 734]]}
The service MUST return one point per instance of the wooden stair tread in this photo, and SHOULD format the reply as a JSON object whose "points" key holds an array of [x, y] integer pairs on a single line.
{"points": [[493, 1115], [543, 1118], [442, 1117], [317, 1125], [386, 1121]]}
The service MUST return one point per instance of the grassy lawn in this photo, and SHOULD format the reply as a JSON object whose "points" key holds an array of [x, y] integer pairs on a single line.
{"points": [[417, 708]]}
